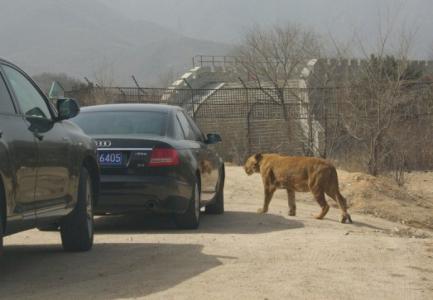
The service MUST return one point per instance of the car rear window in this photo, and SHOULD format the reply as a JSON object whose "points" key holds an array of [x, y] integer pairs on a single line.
{"points": [[123, 122]]}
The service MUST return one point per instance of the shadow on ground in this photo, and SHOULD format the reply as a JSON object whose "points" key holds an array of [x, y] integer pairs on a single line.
{"points": [[110, 271], [358, 224], [232, 222], [365, 225]]}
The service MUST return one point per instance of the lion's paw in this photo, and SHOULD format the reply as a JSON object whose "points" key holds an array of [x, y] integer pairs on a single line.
{"points": [[346, 219], [261, 211]]}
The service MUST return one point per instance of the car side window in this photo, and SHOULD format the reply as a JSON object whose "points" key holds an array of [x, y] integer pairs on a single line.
{"points": [[187, 130], [178, 131], [6, 105], [31, 101], [198, 135]]}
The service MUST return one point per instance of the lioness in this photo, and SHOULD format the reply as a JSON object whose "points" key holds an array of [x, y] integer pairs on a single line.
{"points": [[298, 174]]}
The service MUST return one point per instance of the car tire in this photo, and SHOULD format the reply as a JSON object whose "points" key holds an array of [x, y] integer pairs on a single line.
{"points": [[217, 208], [76, 229], [191, 218]]}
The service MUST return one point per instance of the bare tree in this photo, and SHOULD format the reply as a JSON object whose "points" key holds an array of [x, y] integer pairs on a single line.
{"points": [[104, 79], [430, 54], [273, 57], [270, 59], [44, 81], [104, 73], [166, 78], [374, 95]]}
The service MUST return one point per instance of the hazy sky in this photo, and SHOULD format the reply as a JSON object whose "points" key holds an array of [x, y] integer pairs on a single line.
{"points": [[149, 38], [226, 20]]}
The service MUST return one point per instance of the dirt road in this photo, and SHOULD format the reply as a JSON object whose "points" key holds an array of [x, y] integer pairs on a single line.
{"points": [[238, 255]]}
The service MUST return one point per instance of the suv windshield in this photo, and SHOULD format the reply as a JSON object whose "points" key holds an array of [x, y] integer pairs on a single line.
{"points": [[122, 122]]}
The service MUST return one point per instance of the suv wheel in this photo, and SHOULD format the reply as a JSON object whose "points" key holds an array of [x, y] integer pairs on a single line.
{"points": [[77, 228], [217, 208], [191, 218]]}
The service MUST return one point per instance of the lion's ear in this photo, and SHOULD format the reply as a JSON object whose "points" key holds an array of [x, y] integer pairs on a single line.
{"points": [[258, 157]]}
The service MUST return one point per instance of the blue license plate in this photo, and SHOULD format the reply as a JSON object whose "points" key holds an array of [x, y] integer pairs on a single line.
{"points": [[109, 158]]}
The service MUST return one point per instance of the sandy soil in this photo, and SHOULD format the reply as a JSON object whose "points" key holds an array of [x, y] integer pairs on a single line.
{"points": [[411, 204], [238, 255]]}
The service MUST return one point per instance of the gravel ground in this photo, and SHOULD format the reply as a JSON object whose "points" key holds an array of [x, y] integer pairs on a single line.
{"points": [[237, 255]]}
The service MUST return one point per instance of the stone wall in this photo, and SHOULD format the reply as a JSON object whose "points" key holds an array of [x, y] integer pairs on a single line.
{"points": [[333, 71]]}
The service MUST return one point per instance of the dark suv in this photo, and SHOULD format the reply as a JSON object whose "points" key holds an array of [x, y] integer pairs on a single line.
{"points": [[48, 168]]}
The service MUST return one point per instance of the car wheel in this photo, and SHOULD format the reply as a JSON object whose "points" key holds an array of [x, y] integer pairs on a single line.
{"points": [[191, 218], [217, 208], [77, 228]]}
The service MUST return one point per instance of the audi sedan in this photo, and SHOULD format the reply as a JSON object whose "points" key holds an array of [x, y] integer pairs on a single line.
{"points": [[154, 158]]}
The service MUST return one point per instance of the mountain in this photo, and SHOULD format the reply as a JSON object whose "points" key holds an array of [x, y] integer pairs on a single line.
{"points": [[226, 20], [87, 38]]}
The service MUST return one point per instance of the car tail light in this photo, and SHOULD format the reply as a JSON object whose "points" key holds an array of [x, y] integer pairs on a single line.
{"points": [[164, 157]]}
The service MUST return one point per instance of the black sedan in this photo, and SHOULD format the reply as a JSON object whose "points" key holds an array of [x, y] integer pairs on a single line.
{"points": [[154, 158]]}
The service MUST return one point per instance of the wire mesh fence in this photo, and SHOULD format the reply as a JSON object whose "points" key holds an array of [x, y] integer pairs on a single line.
{"points": [[295, 121], [221, 103]]}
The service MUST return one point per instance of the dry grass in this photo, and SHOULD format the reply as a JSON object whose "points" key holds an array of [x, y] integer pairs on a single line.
{"points": [[381, 196]]}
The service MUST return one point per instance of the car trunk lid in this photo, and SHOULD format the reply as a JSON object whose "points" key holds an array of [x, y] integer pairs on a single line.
{"points": [[132, 155]]}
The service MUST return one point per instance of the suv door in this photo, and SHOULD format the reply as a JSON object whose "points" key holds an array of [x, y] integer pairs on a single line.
{"points": [[54, 146], [18, 163]]}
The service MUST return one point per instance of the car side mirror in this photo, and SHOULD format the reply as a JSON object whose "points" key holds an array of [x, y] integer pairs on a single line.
{"points": [[213, 138], [67, 108]]}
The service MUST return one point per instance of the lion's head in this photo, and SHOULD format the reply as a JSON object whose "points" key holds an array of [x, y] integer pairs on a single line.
{"points": [[252, 165]]}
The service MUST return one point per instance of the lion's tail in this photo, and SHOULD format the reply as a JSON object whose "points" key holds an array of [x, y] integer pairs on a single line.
{"points": [[334, 189]]}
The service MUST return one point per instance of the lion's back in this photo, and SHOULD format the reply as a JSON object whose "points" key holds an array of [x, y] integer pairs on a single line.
{"points": [[296, 162], [303, 171]]}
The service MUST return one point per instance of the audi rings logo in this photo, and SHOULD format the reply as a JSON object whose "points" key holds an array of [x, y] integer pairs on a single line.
{"points": [[103, 144]]}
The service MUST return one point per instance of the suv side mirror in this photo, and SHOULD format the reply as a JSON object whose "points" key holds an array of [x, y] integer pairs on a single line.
{"points": [[67, 108], [213, 138]]}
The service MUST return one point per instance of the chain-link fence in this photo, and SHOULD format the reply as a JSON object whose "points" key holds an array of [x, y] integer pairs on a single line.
{"points": [[295, 121]]}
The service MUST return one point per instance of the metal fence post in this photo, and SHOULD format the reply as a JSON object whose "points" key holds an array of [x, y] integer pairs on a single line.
{"points": [[248, 121], [192, 103]]}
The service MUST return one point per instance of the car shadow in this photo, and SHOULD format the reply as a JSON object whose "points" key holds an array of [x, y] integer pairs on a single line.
{"points": [[109, 271], [231, 222]]}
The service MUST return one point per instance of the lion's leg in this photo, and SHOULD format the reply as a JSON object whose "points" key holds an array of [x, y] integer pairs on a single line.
{"points": [[342, 203], [269, 192], [320, 198], [292, 202]]}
